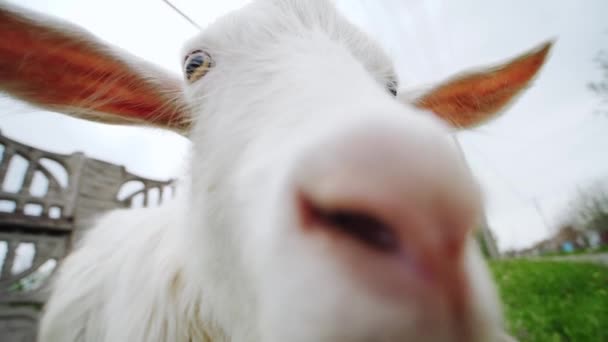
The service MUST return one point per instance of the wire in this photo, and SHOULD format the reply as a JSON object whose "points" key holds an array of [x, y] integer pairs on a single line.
{"points": [[182, 14]]}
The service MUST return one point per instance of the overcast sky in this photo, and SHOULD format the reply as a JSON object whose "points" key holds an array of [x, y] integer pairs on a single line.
{"points": [[542, 149]]}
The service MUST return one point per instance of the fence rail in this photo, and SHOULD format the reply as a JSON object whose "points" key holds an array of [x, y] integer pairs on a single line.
{"points": [[47, 201]]}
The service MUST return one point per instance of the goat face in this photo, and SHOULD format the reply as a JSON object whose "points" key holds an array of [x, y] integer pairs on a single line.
{"points": [[327, 209]]}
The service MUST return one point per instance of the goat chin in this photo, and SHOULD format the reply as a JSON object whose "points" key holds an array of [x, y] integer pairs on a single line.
{"points": [[123, 282], [129, 279]]}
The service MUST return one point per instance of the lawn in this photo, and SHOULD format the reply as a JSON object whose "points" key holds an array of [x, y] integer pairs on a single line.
{"points": [[554, 301]]}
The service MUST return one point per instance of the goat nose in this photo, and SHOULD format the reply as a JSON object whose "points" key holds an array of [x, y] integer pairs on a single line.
{"points": [[389, 196]]}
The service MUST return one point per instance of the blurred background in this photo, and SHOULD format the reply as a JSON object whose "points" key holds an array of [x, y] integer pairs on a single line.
{"points": [[542, 164]]}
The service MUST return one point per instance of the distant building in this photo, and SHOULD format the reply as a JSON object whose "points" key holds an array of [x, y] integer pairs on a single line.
{"points": [[568, 239]]}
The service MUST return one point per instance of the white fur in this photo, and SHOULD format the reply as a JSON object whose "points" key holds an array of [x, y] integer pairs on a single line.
{"points": [[225, 262]]}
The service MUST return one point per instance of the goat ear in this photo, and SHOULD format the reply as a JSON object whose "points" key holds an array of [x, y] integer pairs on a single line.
{"points": [[473, 98], [61, 67]]}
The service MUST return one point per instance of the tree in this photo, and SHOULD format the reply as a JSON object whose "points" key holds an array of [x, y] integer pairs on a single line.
{"points": [[487, 242], [590, 209], [600, 88], [482, 244]]}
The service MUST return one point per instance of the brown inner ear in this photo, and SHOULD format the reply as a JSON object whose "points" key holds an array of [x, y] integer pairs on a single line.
{"points": [[66, 70], [471, 99]]}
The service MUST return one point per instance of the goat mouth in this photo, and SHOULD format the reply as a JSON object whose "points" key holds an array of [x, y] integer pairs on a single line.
{"points": [[359, 225]]}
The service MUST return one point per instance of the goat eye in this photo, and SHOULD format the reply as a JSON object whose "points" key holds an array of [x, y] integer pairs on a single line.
{"points": [[391, 86], [196, 65]]}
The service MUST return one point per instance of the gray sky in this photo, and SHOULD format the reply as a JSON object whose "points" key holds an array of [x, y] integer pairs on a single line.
{"points": [[545, 146]]}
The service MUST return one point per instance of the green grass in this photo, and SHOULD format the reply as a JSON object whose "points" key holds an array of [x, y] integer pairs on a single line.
{"points": [[554, 301]]}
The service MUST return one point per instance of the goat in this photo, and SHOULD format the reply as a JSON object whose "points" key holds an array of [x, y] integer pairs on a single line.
{"points": [[322, 204]]}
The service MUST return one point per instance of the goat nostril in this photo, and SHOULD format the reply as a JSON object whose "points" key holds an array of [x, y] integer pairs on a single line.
{"points": [[362, 227], [356, 224]]}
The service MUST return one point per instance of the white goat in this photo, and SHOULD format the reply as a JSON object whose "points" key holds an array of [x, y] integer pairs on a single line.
{"points": [[321, 207]]}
